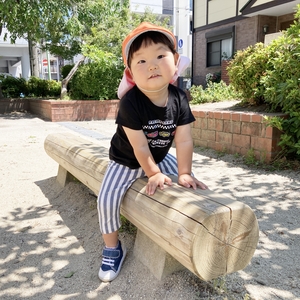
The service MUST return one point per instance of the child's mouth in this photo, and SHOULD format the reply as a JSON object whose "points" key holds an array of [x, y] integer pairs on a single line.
{"points": [[154, 76]]}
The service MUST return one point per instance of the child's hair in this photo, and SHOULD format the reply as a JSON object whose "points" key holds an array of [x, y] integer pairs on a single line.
{"points": [[146, 39]]}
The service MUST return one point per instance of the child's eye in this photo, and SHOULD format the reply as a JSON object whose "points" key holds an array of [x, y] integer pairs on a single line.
{"points": [[141, 61], [160, 56]]}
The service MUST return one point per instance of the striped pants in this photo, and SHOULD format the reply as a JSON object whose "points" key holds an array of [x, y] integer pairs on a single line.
{"points": [[116, 181]]}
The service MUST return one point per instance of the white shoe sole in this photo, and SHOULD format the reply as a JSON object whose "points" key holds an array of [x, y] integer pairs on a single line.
{"points": [[107, 276]]}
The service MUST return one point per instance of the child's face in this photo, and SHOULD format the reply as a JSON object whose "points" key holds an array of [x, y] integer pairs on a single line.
{"points": [[153, 67]]}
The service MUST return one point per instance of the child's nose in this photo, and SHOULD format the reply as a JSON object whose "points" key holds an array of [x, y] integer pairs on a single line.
{"points": [[152, 66]]}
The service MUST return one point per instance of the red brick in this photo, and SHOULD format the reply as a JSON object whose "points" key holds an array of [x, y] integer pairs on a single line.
{"points": [[227, 126], [236, 116], [236, 127], [196, 133], [219, 125], [200, 143], [243, 141], [245, 117], [197, 123], [209, 135], [262, 144], [218, 115], [256, 118], [226, 115], [211, 124], [223, 137], [196, 113], [211, 115], [203, 123], [212, 145], [251, 129]]}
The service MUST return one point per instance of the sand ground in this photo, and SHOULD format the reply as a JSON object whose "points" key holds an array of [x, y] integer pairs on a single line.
{"points": [[50, 245]]}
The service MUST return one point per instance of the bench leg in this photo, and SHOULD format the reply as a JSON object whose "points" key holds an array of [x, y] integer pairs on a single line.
{"points": [[62, 176], [157, 260]]}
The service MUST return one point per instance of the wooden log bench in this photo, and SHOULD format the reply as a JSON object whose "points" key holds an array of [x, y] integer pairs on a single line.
{"points": [[207, 233]]}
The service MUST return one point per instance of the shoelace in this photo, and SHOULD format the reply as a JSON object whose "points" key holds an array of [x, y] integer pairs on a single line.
{"points": [[108, 261]]}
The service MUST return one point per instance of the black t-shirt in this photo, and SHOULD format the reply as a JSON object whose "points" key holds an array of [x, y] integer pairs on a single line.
{"points": [[159, 124]]}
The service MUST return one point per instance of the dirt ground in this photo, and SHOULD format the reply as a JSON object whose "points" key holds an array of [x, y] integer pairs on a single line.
{"points": [[50, 245]]}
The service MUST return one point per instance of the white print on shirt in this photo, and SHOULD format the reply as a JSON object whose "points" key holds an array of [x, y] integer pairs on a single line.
{"points": [[158, 143], [163, 129]]}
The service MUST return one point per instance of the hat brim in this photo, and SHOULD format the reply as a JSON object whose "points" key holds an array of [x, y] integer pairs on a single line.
{"points": [[142, 28]]}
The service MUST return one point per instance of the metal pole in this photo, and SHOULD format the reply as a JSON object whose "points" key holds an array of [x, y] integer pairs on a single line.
{"points": [[49, 70]]}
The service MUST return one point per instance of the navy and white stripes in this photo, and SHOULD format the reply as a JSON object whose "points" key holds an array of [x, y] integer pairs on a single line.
{"points": [[116, 181]]}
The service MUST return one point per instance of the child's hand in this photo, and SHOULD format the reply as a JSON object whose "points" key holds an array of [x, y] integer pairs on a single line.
{"points": [[189, 181], [157, 180]]}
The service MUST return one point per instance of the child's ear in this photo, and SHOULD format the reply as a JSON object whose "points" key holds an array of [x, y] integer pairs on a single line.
{"points": [[129, 71]]}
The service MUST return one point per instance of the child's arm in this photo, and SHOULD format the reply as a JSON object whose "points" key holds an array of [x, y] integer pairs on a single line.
{"points": [[142, 153], [184, 153]]}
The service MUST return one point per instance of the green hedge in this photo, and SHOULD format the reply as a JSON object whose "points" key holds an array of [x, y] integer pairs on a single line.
{"points": [[271, 75], [35, 87], [96, 80]]}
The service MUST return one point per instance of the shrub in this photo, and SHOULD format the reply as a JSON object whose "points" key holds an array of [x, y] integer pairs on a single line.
{"points": [[38, 87], [282, 87], [245, 71], [65, 70], [215, 92], [97, 80], [54, 88], [282, 81], [13, 87]]}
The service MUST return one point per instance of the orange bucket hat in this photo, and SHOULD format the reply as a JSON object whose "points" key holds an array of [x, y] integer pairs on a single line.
{"points": [[127, 82], [142, 28]]}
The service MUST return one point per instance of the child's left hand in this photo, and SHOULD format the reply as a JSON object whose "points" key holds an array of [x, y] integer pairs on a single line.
{"points": [[189, 181]]}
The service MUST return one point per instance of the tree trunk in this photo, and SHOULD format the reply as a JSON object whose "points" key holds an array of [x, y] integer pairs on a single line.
{"points": [[65, 81], [34, 66]]}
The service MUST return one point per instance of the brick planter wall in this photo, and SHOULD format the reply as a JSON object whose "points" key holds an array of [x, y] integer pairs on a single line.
{"points": [[58, 111], [226, 131], [9, 105], [236, 132]]}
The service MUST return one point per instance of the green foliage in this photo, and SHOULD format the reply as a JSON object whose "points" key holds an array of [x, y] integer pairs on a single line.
{"points": [[97, 80], [127, 226], [246, 70], [100, 78], [109, 34], [65, 70], [282, 81], [213, 77], [16, 87], [43, 88], [290, 137], [271, 75], [12, 87], [215, 92]]}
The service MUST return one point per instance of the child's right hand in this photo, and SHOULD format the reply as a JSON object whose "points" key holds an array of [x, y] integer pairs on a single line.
{"points": [[157, 180]]}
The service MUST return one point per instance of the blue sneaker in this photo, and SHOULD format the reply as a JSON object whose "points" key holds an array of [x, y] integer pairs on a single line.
{"points": [[112, 260]]}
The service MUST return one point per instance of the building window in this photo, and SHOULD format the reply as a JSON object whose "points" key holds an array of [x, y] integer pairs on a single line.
{"points": [[219, 46]]}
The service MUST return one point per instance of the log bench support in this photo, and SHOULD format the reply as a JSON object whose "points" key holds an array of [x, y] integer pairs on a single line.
{"points": [[207, 233]]}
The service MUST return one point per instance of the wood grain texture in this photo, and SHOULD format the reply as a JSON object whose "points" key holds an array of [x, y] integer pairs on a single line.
{"points": [[211, 235]]}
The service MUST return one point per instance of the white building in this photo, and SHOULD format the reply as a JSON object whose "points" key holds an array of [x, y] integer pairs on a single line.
{"points": [[14, 58]]}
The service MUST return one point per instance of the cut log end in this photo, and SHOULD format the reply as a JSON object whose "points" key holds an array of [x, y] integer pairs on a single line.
{"points": [[226, 242]]}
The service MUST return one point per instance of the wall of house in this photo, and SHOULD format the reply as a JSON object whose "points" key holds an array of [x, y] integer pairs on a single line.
{"points": [[243, 38]]}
